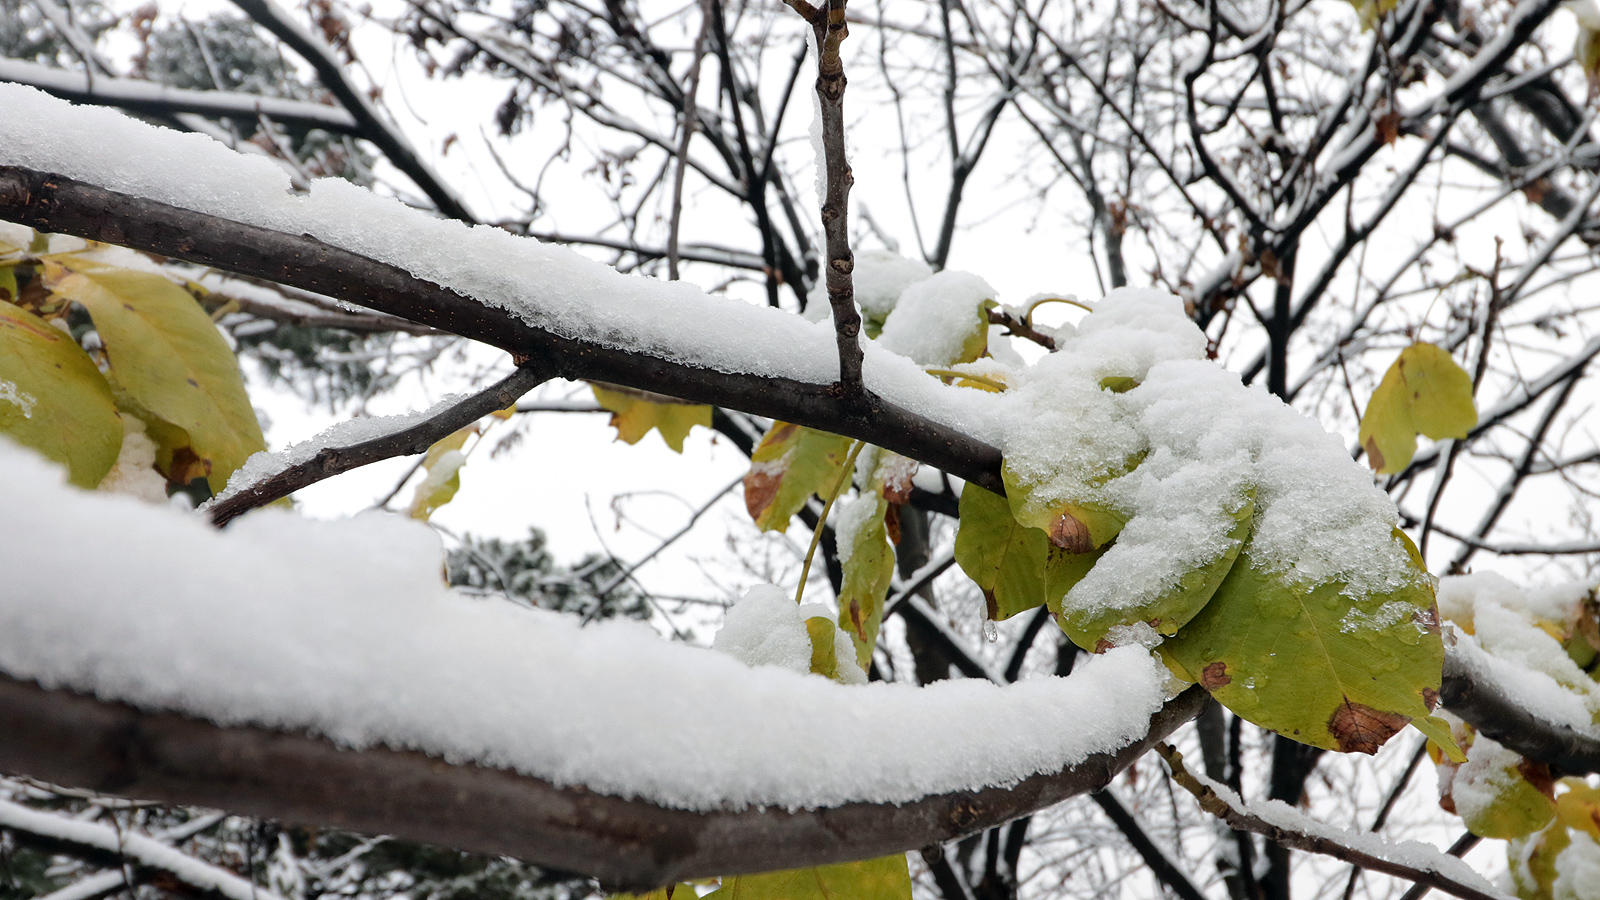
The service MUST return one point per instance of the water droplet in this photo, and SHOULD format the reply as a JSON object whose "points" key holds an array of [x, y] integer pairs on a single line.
{"points": [[990, 632]]}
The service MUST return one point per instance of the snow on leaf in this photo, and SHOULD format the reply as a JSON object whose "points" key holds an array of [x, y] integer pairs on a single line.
{"points": [[1496, 792], [789, 465], [53, 399], [885, 878], [1424, 392], [1168, 611], [634, 413], [1278, 653], [169, 358], [1003, 556]]}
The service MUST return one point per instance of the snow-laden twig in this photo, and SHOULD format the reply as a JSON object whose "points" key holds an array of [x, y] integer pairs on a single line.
{"points": [[137, 848], [1283, 824], [265, 478]]}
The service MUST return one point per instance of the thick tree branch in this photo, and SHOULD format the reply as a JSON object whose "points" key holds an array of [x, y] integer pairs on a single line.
{"points": [[1469, 693], [57, 204], [330, 461], [75, 740]]}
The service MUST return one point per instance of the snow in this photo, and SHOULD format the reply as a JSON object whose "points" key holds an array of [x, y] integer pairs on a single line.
{"points": [[134, 472], [936, 316], [16, 396], [766, 628], [1496, 626], [1578, 870], [1202, 442], [1489, 774], [345, 629]]}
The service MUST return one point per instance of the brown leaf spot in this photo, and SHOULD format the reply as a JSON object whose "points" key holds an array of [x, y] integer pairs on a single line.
{"points": [[781, 433], [1361, 729], [855, 618], [760, 488], [1374, 456], [891, 523], [1215, 676], [1070, 534], [1103, 645], [1430, 697], [187, 466], [992, 604], [1538, 775]]}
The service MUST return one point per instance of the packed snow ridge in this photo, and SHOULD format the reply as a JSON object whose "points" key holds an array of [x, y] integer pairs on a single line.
{"points": [[344, 629]]}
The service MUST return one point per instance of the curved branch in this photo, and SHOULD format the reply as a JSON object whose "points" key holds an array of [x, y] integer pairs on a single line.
{"points": [[415, 438], [77, 740], [58, 204]]}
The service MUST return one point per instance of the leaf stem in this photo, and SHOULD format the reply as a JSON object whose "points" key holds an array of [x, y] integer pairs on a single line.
{"points": [[822, 520]]}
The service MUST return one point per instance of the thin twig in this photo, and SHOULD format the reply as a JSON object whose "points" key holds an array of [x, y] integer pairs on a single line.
{"points": [[1222, 802], [330, 461]]}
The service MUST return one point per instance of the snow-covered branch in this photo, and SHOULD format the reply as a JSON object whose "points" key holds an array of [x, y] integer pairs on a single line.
{"points": [[1282, 824]]}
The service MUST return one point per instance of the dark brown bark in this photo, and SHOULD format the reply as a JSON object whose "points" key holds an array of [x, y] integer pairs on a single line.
{"points": [[75, 740], [57, 204]]}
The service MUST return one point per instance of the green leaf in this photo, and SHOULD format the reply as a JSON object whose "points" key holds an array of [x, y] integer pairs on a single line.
{"points": [[1004, 557], [166, 354], [1168, 611], [1424, 392], [634, 413], [789, 465], [885, 878], [1437, 731], [1310, 662], [868, 569], [54, 400], [442, 466]]}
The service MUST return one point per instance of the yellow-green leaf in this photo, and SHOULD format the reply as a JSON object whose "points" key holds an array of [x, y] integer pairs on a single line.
{"points": [[1311, 662], [53, 399], [1004, 557], [1496, 792], [167, 355], [1168, 611], [885, 878], [634, 413], [868, 568], [1424, 392], [442, 478], [789, 465], [1373, 11]]}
